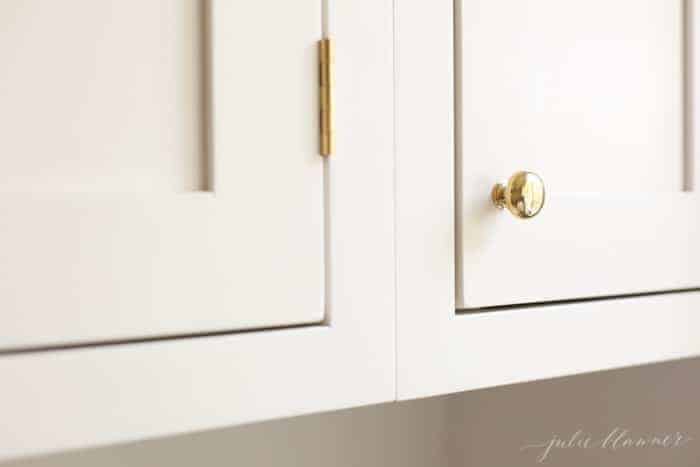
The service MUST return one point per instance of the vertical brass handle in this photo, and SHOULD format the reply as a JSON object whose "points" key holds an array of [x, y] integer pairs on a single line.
{"points": [[523, 195]]}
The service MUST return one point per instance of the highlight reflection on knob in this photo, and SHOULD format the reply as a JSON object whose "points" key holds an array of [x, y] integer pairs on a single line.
{"points": [[523, 195]]}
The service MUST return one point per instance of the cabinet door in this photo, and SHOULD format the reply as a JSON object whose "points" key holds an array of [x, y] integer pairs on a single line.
{"points": [[159, 169], [598, 98], [79, 396], [593, 96]]}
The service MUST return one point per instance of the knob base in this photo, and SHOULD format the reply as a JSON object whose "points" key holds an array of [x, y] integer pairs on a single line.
{"points": [[498, 195]]}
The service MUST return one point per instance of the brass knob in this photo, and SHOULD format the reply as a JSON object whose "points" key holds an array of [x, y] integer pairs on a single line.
{"points": [[522, 195]]}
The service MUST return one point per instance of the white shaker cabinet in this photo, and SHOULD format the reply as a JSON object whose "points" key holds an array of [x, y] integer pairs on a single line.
{"points": [[597, 99], [175, 253]]}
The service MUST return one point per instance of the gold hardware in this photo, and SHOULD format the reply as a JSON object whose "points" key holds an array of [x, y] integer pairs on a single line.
{"points": [[325, 55], [523, 195]]}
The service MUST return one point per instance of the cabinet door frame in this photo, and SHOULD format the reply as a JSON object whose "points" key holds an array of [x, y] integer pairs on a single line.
{"points": [[90, 395], [442, 351]]}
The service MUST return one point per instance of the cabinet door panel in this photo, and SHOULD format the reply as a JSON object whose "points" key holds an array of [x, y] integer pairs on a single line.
{"points": [[158, 176], [590, 95]]}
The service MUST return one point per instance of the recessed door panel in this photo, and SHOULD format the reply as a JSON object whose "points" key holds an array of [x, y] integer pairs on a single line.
{"points": [[103, 97], [593, 97], [159, 169]]}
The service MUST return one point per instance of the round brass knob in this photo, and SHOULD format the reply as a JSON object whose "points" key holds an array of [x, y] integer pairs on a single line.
{"points": [[522, 195]]}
